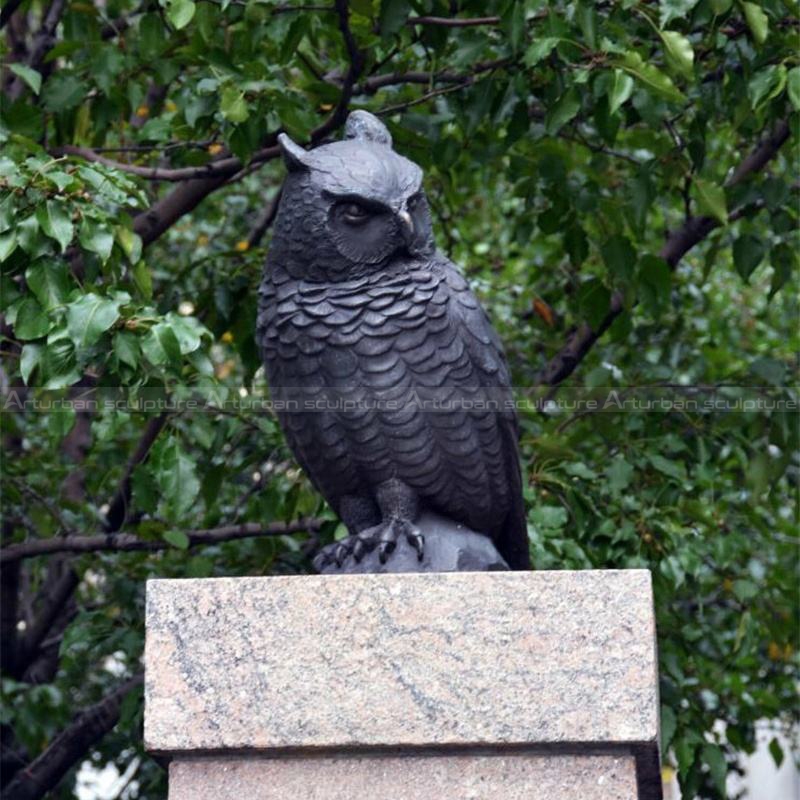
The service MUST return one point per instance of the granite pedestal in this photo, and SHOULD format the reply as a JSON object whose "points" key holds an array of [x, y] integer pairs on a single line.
{"points": [[446, 686]]}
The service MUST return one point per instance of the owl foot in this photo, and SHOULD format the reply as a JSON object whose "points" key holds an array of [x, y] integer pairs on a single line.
{"points": [[383, 537], [337, 553], [387, 534]]}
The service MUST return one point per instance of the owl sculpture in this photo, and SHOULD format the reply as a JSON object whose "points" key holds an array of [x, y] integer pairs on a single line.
{"points": [[389, 382]]}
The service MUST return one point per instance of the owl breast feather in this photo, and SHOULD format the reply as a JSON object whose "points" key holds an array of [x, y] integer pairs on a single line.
{"points": [[393, 375]]}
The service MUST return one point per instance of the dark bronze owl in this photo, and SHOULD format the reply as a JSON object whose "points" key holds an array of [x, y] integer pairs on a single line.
{"points": [[391, 384]]}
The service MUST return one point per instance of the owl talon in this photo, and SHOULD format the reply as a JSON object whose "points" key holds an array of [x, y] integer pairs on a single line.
{"points": [[382, 537], [385, 550], [359, 550], [341, 553], [417, 541]]}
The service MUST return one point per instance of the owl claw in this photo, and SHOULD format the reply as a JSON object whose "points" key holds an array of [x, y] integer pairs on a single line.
{"points": [[385, 549], [382, 537], [417, 541], [359, 550], [341, 553]]}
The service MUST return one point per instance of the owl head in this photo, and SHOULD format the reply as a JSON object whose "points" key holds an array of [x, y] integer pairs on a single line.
{"points": [[351, 207]]}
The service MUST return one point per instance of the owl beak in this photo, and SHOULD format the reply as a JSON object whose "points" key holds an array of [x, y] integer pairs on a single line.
{"points": [[408, 226]]}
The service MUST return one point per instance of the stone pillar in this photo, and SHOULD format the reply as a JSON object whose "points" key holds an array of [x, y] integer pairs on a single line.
{"points": [[445, 686]]}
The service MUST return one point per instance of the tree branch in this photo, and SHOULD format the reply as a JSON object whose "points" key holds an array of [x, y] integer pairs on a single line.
{"points": [[118, 508], [37, 660], [678, 243], [8, 9], [128, 542], [49, 506], [264, 220], [9, 613], [163, 214], [425, 97], [449, 22], [45, 772], [223, 167], [376, 82]]}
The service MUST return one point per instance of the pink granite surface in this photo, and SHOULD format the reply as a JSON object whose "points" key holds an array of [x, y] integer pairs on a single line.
{"points": [[456, 777], [296, 663]]}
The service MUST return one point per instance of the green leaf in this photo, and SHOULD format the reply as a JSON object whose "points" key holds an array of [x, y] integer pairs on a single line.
{"points": [[720, 6], [651, 77], [89, 317], [776, 751], [745, 590], [619, 473], [63, 91], [152, 36], [393, 16], [96, 239], [680, 52], [793, 87], [31, 321], [715, 759], [748, 252], [56, 221], [57, 365], [563, 111], [593, 299], [361, 7], [770, 369], [784, 260], [142, 279], [30, 76], [666, 466], [669, 723], [674, 9], [8, 243], [711, 199], [126, 348], [579, 470], [49, 281], [177, 539], [180, 12], [757, 21], [130, 243], [161, 346], [655, 283], [619, 257], [144, 488], [539, 50], [28, 360], [188, 331], [766, 84], [233, 105], [586, 17], [620, 88], [549, 517], [513, 23], [175, 475]]}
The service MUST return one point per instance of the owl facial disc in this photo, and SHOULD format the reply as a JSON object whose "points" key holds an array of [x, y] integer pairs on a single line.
{"points": [[359, 197]]}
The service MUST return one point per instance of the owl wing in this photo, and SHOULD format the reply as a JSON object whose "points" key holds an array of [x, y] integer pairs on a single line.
{"points": [[496, 430]]}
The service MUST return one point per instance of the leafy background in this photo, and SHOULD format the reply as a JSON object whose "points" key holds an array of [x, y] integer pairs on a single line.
{"points": [[618, 180]]}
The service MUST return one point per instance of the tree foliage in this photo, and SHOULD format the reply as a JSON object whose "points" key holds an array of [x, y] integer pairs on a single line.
{"points": [[616, 181]]}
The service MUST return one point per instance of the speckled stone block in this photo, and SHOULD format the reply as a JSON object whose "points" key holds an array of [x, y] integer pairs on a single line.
{"points": [[460, 777], [549, 663]]}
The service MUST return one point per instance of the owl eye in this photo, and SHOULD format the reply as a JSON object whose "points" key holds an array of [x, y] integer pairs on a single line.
{"points": [[354, 214]]}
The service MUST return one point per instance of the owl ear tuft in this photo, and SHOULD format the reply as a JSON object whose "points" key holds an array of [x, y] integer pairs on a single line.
{"points": [[367, 127], [294, 156]]}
